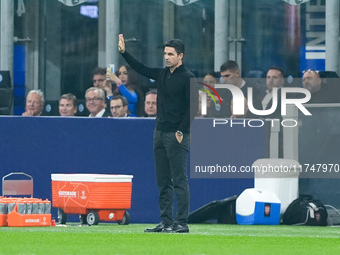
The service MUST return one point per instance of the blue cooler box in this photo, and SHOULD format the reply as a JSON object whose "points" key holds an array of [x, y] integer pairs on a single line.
{"points": [[258, 207]]}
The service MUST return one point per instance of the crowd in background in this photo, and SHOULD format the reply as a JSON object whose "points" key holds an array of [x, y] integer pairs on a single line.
{"points": [[121, 94], [112, 95], [322, 85]]}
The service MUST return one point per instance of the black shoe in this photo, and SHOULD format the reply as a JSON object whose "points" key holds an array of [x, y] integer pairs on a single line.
{"points": [[158, 228], [167, 230], [180, 229]]}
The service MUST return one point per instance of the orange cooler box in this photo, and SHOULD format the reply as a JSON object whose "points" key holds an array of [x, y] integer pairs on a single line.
{"points": [[94, 196]]}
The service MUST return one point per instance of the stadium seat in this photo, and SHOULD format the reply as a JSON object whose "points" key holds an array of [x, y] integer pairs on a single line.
{"points": [[6, 99]]}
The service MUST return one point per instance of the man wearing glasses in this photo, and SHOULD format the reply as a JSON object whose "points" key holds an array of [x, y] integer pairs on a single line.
{"points": [[95, 102], [119, 106]]}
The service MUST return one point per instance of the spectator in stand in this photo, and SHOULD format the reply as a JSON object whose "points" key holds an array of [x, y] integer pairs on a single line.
{"points": [[98, 77], [128, 87], [231, 74], [211, 79], [68, 105], [34, 103], [275, 78], [95, 102], [214, 109], [323, 89], [151, 104], [119, 106], [99, 81]]}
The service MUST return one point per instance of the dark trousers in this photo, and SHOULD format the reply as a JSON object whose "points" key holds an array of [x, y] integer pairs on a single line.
{"points": [[171, 170]]}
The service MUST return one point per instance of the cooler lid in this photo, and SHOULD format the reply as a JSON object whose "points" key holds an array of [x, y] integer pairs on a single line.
{"points": [[92, 177]]}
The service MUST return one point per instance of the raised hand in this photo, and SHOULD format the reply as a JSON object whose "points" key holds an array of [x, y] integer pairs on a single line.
{"points": [[107, 86], [113, 77], [121, 44]]}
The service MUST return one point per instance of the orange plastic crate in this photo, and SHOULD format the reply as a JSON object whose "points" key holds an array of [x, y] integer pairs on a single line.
{"points": [[16, 219], [3, 220], [4, 216]]}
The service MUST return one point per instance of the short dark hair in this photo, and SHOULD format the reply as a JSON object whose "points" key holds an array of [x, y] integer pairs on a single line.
{"points": [[213, 74], [123, 98], [277, 69], [99, 70], [177, 44], [229, 65], [152, 91], [70, 96]]}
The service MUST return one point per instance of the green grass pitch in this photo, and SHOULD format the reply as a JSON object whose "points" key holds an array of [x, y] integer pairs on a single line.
{"points": [[202, 239]]}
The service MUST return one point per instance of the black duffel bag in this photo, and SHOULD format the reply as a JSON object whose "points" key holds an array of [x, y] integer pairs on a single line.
{"points": [[307, 211]]}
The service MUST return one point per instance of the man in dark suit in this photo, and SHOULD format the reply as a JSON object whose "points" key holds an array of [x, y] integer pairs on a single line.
{"points": [[95, 102]]}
